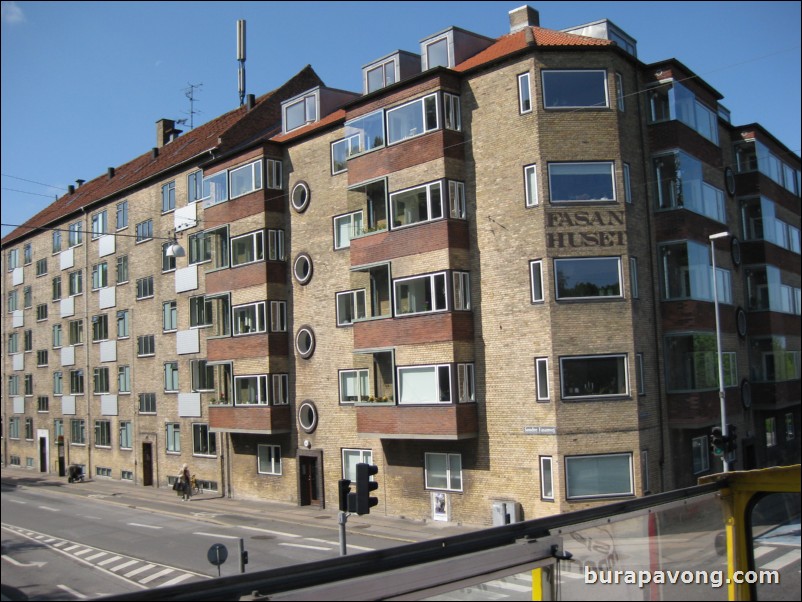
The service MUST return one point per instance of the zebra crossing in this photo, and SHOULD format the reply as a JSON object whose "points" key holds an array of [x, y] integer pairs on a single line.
{"points": [[135, 570]]}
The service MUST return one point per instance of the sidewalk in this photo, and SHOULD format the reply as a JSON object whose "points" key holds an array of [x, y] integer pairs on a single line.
{"points": [[216, 509]]}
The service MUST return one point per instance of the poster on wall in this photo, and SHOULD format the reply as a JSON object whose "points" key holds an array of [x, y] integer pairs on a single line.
{"points": [[439, 506]]}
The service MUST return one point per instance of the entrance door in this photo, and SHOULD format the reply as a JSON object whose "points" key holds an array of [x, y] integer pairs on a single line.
{"points": [[147, 464], [42, 454], [308, 474]]}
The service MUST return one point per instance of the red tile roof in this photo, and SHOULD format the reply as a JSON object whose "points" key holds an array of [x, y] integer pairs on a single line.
{"points": [[543, 38]]}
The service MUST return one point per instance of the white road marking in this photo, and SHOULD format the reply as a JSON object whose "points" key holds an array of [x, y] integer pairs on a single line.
{"points": [[144, 526], [216, 535], [279, 533], [783, 561], [177, 580], [72, 592], [761, 551], [335, 544], [299, 545], [109, 560], [49, 508], [71, 548], [156, 576], [22, 564], [96, 556], [18, 502], [122, 566], [141, 569], [509, 586], [82, 552]]}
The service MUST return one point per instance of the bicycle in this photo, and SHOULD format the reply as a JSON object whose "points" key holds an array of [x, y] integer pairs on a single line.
{"points": [[194, 487]]}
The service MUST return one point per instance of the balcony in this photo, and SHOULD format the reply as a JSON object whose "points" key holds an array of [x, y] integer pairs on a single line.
{"points": [[263, 419], [449, 422], [414, 330], [387, 245]]}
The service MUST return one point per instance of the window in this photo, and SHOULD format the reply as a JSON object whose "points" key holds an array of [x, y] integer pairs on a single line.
{"points": [[380, 76], [27, 254], [281, 391], [770, 425], [452, 118], [76, 234], [347, 227], [194, 187], [169, 316], [524, 93], [13, 303], [466, 386], [443, 471], [305, 342], [593, 376], [542, 378], [530, 185], [421, 294], [675, 101], [350, 307], [641, 374], [354, 386], [300, 197], [246, 179], [43, 404], [204, 442], [122, 215], [211, 311], [627, 184], [339, 156], [300, 112], [587, 277], [13, 428], [362, 135], [581, 182], [147, 403], [536, 274], [352, 457], [78, 431], [122, 269], [268, 459], [619, 91], [701, 456], [144, 231], [41, 312], [598, 476], [249, 319], [13, 385], [274, 176], [57, 336], [99, 224], [123, 324], [56, 289], [546, 478], [687, 273], [172, 437], [168, 261], [76, 332], [171, 377], [58, 383], [56, 241], [27, 297], [275, 245], [168, 197], [412, 119], [302, 268], [28, 385], [248, 248], [13, 343], [424, 384], [144, 288], [790, 432], [126, 435], [572, 89], [28, 340], [210, 245], [437, 53], [123, 379], [633, 277], [145, 345], [202, 375], [456, 200], [100, 276], [769, 289], [766, 220], [692, 363], [76, 382], [679, 180], [278, 316], [41, 267], [101, 380], [774, 359], [215, 188], [100, 328], [250, 390], [76, 283], [462, 291], [102, 433]]}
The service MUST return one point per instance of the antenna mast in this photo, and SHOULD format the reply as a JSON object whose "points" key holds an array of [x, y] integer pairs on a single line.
{"points": [[189, 92], [241, 59]]}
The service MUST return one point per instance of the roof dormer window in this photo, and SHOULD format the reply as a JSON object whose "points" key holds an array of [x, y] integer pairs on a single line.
{"points": [[436, 53], [301, 110], [380, 76]]}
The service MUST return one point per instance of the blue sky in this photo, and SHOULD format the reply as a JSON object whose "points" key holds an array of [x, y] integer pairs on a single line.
{"points": [[83, 83]]}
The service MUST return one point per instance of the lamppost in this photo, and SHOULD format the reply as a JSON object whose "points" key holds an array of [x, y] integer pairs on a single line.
{"points": [[722, 401]]}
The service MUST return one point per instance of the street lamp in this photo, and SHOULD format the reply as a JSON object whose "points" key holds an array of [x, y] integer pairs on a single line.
{"points": [[722, 401]]}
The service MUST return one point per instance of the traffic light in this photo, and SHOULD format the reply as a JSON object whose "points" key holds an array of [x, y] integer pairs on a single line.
{"points": [[732, 439], [364, 501], [717, 442], [343, 489]]}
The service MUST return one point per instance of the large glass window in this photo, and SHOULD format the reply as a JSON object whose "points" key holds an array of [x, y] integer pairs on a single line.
{"points": [[574, 89], [675, 101], [765, 220], [354, 386], [246, 179], [412, 119], [364, 134], [770, 289], [380, 76], [420, 294], [204, 442], [215, 188], [678, 177], [249, 319], [443, 471], [347, 227], [210, 245], [581, 182], [774, 359], [687, 273], [692, 363], [417, 205], [588, 277], [268, 459], [605, 475], [424, 384], [248, 248], [352, 457], [251, 390], [350, 307], [594, 376]]}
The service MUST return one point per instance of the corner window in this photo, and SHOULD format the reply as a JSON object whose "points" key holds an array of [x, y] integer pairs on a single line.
{"points": [[281, 389], [456, 200], [354, 386], [275, 245], [692, 363], [524, 93], [273, 168], [215, 188], [251, 390], [594, 376], [362, 135], [587, 277], [424, 384], [417, 205], [412, 119], [462, 291], [347, 227], [278, 316], [598, 476], [249, 319], [246, 179], [420, 294], [443, 471], [574, 89], [581, 182], [466, 383], [452, 117], [350, 307], [248, 249]]}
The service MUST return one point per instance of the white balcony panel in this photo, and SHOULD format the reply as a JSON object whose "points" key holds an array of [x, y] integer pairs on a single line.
{"points": [[67, 259], [189, 405], [68, 356], [68, 405], [67, 307], [17, 319], [186, 217], [17, 276], [106, 245], [186, 279], [19, 405], [108, 405], [108, 351], [187, 341], [108, 297], [19, 361]]}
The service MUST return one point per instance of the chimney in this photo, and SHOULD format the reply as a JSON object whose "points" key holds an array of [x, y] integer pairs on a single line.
{"points": [[154, 152], [165, 132], [111, 173], [523, 17], [71, 189], [80, 182], [250, 101]]}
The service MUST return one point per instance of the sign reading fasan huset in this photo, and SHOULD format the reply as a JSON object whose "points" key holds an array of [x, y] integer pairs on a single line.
{"points": [[574, 229]]}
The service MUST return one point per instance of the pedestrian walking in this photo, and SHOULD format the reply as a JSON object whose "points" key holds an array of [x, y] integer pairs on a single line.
{"points": [[186, 483]]}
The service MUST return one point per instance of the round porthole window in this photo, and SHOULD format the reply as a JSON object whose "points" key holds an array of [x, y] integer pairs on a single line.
{"points": [[300, 197], [740, 322], [302, 268], [746, 394], [729, 180], [307, 416], [305, 342], [735, 251]]}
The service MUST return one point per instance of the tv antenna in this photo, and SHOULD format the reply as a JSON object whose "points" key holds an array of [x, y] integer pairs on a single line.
{"points": [[241, 60], [189, 92]]}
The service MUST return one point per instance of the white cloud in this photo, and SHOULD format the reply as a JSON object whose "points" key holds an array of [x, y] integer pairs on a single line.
{"points": [[12, 13]]}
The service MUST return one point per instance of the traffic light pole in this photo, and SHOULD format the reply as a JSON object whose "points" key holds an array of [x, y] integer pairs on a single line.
{"points": [[342, 518]]}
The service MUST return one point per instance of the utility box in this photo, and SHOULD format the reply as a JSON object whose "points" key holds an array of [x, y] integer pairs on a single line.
{"points": [[505, 513]]}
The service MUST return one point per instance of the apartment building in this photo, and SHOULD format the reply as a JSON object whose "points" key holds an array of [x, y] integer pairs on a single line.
{"points": [[488, 272]]}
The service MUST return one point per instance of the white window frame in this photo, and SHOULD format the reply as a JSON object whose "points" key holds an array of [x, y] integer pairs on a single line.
{"points": [[466, 383], [354, 223], [546, 478], [450, 468], [275, 245], [280, 392], [351, 457], [524, 93], [257, 248], [570, 459], [272, 464], [311, 110], [254, 178], [536, 278], [462, 291], [255, 313], [274, 171], [431, 397], [361, 385], [452, 114], [429, 205], [354, 304], [531, 194], [457, 204], [542, 384], [590, 261], [414, 133], [278, 316], [262, 392], [432, 283]]}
